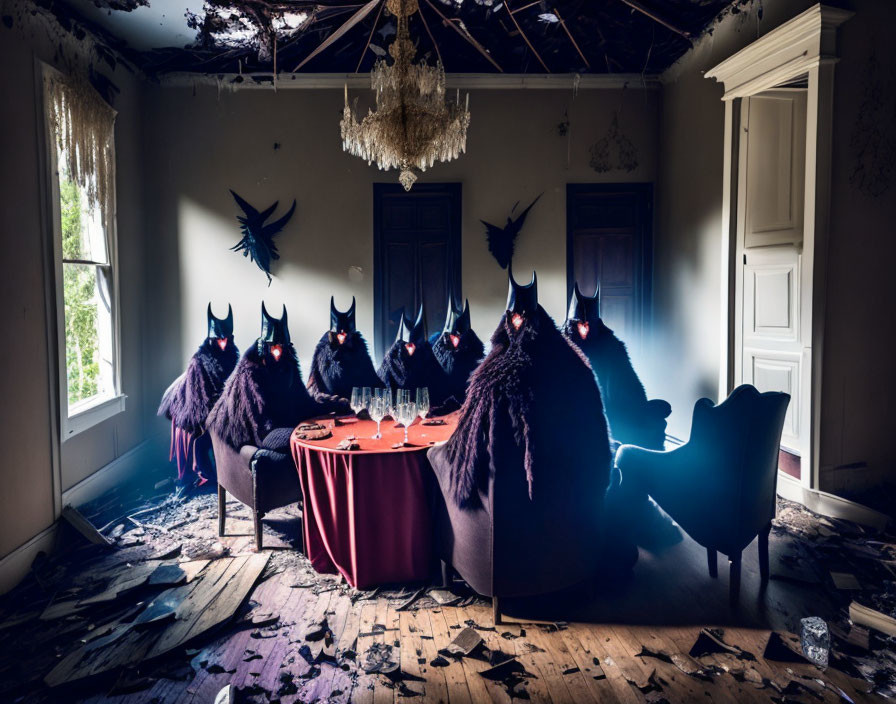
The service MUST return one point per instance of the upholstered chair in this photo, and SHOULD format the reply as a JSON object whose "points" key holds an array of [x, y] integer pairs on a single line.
{"points": [[720, 486], [261, 479]]}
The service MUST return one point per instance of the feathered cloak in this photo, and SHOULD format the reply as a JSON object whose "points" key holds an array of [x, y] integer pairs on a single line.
{"points": [[459, 362], [262, 395], [190, 398], [633, 419], [336, 369], [533, 406], [401, 370]]}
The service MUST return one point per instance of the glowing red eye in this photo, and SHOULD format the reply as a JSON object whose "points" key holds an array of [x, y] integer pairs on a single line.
{"points": [[410, 347], [584, 328], [517, 320], [276, 352], [455, 340], [222, 343], [341, 337]]}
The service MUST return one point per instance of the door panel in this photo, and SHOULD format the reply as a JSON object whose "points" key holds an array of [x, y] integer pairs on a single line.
{"points": [[608, 241], [416, 254], [775, 124]]}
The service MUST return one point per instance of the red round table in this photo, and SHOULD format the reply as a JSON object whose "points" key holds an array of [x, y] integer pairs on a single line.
{"points": [[367, 511]]}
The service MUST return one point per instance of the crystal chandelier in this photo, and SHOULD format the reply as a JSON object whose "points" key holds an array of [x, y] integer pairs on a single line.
{"points": [[413, 125]]}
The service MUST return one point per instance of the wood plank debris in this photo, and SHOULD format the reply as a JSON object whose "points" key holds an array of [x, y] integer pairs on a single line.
{"points": [[74, 517]]}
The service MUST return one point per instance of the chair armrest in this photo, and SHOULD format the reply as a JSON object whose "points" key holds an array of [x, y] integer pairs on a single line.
{"points": [[247, 452], [661, 408], [630, 455]]}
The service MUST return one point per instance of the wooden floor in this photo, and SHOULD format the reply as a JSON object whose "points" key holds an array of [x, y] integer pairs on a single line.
{"points": [[586, 650]]}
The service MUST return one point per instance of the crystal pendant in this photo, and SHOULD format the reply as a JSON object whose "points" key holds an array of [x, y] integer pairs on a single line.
{"points": [[815, 640], [407, 178]]}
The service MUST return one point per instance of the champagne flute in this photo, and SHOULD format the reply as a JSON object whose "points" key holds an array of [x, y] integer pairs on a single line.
{"points": [[389, 409], [365, 397], [356, 403], [377, 412], [422, 402], [407, 413]]}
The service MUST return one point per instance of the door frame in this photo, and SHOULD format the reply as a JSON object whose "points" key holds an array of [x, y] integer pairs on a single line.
{"points": [[644, 191], [454, 190], [804, 46]]}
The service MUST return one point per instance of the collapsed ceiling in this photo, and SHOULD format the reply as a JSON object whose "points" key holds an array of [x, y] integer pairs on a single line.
{"points": [[469, 36]]}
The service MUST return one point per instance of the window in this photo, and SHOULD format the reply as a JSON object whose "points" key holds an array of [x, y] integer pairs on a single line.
{"points": [[82, 160]]}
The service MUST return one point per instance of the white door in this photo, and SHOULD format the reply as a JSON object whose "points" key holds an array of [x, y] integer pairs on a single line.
{"points": [[771, 338]]}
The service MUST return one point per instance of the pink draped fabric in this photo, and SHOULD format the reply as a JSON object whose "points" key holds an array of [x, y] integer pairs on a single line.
{"points": [[367, 512]]}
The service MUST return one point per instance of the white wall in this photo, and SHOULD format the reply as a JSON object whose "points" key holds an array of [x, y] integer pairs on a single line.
{"points": [[26, 499], [199, 145]]}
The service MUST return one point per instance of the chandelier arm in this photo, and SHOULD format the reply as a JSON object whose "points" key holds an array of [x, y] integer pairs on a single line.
{"points": [[467, 36], [431, 38], [338, 34], [525, 38], [370, 36]]}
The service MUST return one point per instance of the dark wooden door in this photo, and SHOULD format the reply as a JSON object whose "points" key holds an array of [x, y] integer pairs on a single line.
{"points": [[608, 241], [416, 254]]}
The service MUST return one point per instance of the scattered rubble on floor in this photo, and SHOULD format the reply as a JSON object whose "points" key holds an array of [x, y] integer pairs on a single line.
{"points": [[159, 598]]}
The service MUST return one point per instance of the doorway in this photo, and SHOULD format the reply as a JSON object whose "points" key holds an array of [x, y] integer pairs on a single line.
{"points": [[608, 241], [417, 255]]}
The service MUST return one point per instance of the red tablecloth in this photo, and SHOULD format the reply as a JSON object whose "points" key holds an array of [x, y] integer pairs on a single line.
{"points": [[367, 512]]}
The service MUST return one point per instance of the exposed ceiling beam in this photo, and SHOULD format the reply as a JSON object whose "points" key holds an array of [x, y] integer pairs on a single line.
{"points": [[636, 5], [462, 31], [525, 38]]}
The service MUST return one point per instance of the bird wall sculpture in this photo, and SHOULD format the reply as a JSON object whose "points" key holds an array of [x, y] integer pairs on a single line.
{"points": [[258, 239], [502, 240]]}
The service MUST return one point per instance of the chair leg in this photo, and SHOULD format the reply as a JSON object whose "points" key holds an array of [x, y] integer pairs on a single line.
{"points": [[734, 578], [446, 575], [302, 545], [222, 509], [713, 564], [763, 552], [496, 611], [258, 531]]}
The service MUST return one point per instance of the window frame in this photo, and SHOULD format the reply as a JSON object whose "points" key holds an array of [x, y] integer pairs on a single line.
{"points": [[89, 412]]}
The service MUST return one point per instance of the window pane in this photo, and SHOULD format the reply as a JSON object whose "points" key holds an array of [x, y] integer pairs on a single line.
{"points": [[88, 332], [82, 228]]}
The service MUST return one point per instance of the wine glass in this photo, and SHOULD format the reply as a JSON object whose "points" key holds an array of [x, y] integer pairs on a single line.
{"points": [[422, 402], [389, 408], [356, 402], [365, 397], [407, 413], [377, 410]]}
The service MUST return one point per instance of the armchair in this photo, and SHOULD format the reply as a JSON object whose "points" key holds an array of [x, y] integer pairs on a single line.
{"points": [[261, 479], [720, 486]]}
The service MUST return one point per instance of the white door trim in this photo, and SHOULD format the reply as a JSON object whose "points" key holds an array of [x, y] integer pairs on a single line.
{"points": [[803, 46]]}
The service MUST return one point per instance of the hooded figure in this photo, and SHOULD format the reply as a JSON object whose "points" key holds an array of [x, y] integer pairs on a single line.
{"points": [[341, 360], [265, 391], [633, 419], [191, 396], [527, 469], [459, 350], [410, 363]]}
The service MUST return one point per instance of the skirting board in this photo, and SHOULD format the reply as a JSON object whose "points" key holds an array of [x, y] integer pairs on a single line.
{"points": [[116, 472], [15, 565], [828, 504]]}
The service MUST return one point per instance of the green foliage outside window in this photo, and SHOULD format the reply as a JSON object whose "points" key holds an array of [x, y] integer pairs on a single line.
{"points": [[80, 295]]}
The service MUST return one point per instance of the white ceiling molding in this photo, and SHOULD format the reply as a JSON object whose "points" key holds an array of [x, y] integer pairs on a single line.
{"points": [[804, 42], [462, 81]]}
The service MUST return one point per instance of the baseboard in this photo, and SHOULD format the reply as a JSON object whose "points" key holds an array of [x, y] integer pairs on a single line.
{"points": [[828, 504], [15, 565], [116, 472]]}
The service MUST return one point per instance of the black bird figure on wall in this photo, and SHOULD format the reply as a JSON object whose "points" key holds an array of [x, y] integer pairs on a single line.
{"points": [[258, 238], [501, 240]]}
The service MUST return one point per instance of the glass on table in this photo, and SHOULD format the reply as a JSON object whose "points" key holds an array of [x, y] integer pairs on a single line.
{"points": [[423, 402], [407, 414], [365, 397], [356, 401], [377, 410]]}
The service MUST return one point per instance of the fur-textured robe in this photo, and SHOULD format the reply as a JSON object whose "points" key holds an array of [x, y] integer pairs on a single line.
{"points": [[336, 369], [458, 362], [533, 398], [633, 419], [262, 395], [190, 398], [401, 370]]}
